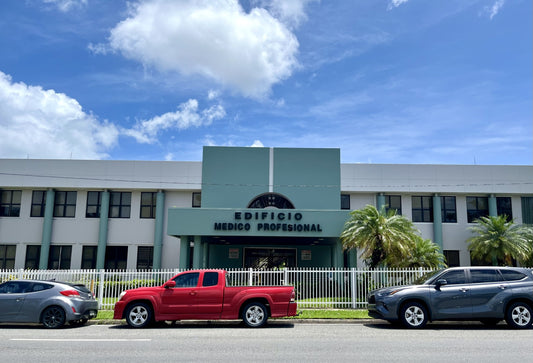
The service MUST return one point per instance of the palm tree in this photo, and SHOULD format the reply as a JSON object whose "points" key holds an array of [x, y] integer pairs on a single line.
{"points": [[425, 254], [497, 241], [384, 238]]}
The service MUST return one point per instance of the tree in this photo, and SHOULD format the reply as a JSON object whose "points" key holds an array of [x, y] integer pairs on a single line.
{"points": [[384, 238], [498, 241], [425, 254]]}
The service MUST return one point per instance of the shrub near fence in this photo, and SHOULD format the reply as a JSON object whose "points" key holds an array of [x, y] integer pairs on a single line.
{"points": [[315, 288]]}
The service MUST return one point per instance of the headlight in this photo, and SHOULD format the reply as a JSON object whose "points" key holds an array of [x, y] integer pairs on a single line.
{"points": [[122, 295], [394, 292]]}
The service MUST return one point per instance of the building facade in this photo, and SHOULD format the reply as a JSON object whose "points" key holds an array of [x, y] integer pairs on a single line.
{"points": [[239, 207]]}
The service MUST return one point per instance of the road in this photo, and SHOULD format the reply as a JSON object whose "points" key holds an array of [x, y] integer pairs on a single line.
{"points": [[279, 342]]}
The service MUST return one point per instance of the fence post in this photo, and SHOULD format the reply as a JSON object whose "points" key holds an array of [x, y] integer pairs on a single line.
{"points": [[101, 289], [285, 276], [20, 274], [354, 288], [250, 277]]}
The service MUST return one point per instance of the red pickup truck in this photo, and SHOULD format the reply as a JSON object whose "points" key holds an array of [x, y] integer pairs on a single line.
{"points": [[203, 295]]}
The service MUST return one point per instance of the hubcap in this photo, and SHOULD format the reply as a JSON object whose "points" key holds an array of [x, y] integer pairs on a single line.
{"points": [[255, 315], [521, 316], [414, 316], [138, 315]]}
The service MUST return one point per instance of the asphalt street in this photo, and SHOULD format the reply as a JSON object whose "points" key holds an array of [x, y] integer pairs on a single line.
{"points": [[280, 341]]}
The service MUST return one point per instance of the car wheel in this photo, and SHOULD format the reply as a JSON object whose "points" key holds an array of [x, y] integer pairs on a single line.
{"points": [[138, 315], [519, 316], [53, 317], [413, 315], [255, 315]]}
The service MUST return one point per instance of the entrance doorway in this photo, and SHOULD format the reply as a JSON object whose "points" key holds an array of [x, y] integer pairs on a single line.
{"points": [[269, 258]]}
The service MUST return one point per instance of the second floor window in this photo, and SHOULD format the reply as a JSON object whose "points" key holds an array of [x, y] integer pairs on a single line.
{"points": [[120, 205], [504, 207], [94, 201], [38, 202], [148, 204], [448, 208], [476, 207], [345, 201], [10, 203], [65, 204], [422, 208], [393, 202]]}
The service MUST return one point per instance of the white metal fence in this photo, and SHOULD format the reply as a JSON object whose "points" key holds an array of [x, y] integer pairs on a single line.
{"points": [[315, 288]]}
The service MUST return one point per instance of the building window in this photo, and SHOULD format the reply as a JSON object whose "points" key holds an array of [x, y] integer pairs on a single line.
{"points": [[94, 201], [59, 257], [148, 204], [452, 258], [65, 204], [270, 200], [145, 257], [7, 256], [10, 203], [476, 207], [33, 253], [504, 207], [345, 201], [38, 203], [196, 199], [393, 202], [527, 210], [448, 209], [422, 209], [120, 205], [116, 257], [88, 257]]}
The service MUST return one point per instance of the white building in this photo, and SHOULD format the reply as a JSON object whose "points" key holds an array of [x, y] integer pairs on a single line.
{"points": [[73, 214]]}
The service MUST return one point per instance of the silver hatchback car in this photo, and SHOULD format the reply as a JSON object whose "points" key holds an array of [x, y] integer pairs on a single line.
{"points": [[48, 302], [486, 294]]}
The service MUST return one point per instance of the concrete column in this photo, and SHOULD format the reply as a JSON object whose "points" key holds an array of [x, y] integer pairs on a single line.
{"points": [[205, 255], [380, 202], [197, 252], [184, 252], [493, 206], [352, 258], [102, 233], [437, 221], [47, 229], [158, 234], [337, 255]]}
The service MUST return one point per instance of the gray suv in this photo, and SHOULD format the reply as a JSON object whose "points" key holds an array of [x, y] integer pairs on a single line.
{"points": [[486, 294]]}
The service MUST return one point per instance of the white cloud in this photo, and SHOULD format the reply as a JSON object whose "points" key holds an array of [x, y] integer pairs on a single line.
{"points": [[290, 12], [185, 117], [66, 5], [395, 3], [257, 143], [248, 52], [493, 10], [40, 123]]}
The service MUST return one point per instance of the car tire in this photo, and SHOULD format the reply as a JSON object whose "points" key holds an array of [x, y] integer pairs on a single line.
{"points": [[139, 315], [413, 315], [519, 315], [53, 317], [255, 315]]}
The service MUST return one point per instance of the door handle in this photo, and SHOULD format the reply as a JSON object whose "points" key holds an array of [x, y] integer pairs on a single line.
{"points": [[502, 287], [464, 290], [20, 299], [192, 293]]}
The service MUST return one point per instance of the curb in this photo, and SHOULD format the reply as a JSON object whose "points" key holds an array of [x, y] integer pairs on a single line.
{"points": [[270, 321]]}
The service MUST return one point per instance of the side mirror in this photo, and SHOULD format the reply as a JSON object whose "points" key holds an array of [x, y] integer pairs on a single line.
{"points": [[440, 282], [169, 284]]}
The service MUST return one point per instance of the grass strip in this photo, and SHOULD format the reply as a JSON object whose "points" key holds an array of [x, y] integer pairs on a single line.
{"points": [[303, 314]]}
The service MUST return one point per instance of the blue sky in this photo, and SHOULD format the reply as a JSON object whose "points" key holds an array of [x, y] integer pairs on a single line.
{"points": [[386, 81]]}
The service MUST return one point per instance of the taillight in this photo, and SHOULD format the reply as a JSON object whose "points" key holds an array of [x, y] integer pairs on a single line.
{"points": [[70, 293], [293, 296]]}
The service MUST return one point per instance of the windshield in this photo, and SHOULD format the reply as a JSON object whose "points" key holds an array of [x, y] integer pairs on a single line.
{"points": [[427, 278]]}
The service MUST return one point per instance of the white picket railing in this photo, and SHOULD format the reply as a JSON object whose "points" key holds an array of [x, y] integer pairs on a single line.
{"points": [[315, 288]]}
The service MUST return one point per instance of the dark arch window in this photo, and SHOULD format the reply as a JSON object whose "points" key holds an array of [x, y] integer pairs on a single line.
{"points": [[271, 200]]}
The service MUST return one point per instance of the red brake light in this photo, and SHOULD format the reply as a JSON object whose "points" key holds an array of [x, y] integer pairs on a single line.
{"points": [[70, 293]]}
